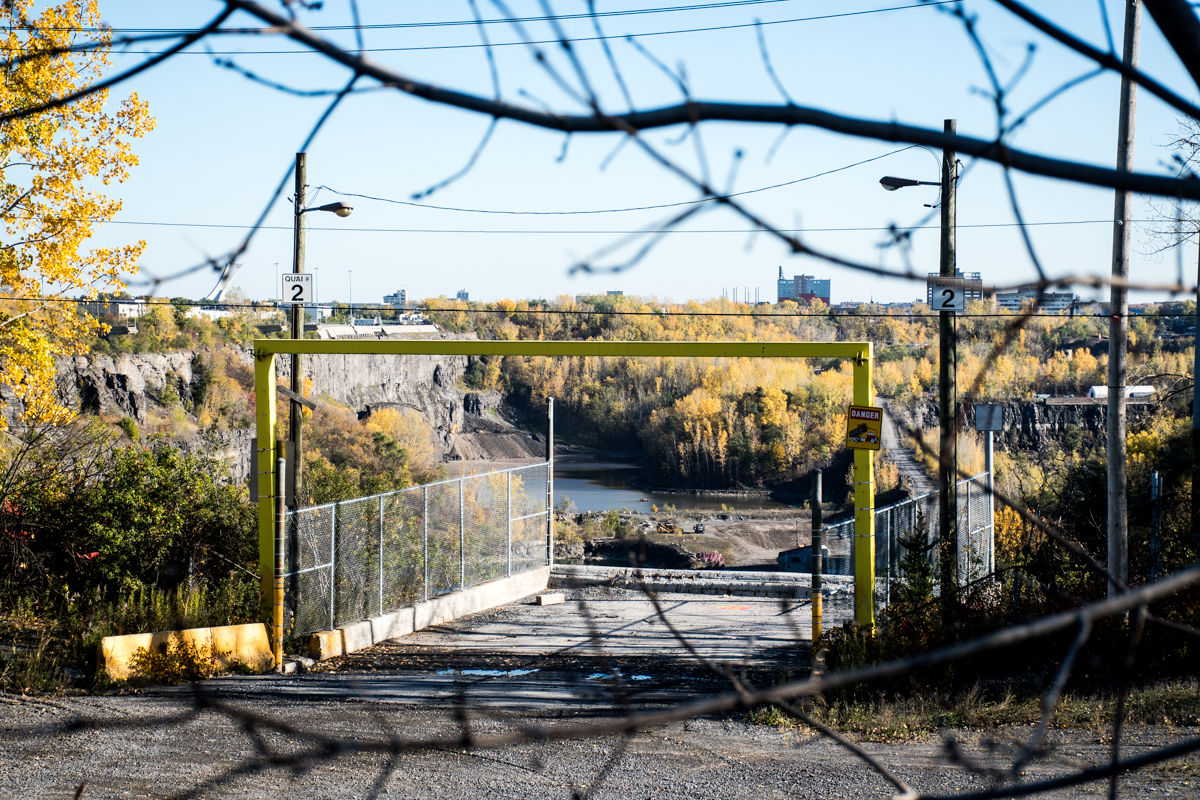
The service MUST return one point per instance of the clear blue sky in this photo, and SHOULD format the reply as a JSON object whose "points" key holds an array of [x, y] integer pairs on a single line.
{"points": [[222, 143]]}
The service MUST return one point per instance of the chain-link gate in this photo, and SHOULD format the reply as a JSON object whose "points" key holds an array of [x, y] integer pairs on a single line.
{"points": [[916, 521], [359, 558]]}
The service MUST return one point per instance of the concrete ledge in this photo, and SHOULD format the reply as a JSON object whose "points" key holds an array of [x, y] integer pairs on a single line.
{"points": [[359, 635], [227, 645], [790, 585], [356, 636]]}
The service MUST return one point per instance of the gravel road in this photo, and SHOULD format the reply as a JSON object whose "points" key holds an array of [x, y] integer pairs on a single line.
{"points": [[143, 749]]}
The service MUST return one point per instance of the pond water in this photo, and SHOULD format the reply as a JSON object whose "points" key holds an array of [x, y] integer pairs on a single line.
{"points": [[596, 482]]}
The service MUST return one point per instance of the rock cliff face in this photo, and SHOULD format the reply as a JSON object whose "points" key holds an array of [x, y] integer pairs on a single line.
{"points": [[468, 425], [1028, 424]]}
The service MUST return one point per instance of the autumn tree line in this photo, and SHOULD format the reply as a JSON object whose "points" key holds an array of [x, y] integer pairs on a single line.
{"points": [[720, 422]]}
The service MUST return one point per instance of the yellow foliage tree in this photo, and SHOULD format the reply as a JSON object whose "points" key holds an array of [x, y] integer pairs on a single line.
{"points": [[49, 163]]}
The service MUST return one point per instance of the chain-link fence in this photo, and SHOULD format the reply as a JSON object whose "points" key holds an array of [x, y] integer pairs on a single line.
{"points": [[915, 521], [352, 560]]}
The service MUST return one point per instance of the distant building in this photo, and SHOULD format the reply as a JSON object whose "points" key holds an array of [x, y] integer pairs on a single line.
{"points": [[616, 294], [398, 298], [212, 312], [972, 285], [131, 308], [462, 295], [1053, 302], [802, 287]]}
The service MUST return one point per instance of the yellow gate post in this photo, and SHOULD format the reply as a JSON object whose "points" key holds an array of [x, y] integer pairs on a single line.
{"points": [[864, 503], [264, 462], [265, 351]]}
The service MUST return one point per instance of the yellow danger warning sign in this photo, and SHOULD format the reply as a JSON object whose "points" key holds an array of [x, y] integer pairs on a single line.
{"points": [[864, 427]]}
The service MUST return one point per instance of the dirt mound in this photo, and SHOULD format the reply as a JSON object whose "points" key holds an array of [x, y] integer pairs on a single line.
{"points": [[488, 446]]}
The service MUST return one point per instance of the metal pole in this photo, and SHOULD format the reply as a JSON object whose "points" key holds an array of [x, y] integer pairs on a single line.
{"points": [[970, 533], [991, 498], [425, 537], [296, 416], [1118, 502], [462, 535], [380, 555], [948, 397], [550, 481], [332, 563], [508, 475], [1155, 522], [816, 561], [277, 606]]}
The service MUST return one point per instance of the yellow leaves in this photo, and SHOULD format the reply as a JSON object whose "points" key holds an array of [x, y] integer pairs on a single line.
{"points": [[410, 430], [774, 404], [49, 211]]}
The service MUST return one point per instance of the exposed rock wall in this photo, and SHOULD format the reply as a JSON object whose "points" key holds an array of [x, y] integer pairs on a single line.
{"points": [[467, 425], [1028, 424]]}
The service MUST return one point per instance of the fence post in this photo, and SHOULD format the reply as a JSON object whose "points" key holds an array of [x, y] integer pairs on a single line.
{"points": [[332, 561], [380, 555], [425, 541], [969, 575], [508, 475], [462, 535]]}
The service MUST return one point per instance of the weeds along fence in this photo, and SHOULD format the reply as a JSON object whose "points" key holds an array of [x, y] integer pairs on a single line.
{"points": [[917, 518], [358, 558]]}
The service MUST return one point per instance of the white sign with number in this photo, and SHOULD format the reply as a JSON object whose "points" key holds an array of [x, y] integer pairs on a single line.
{"points": [[297, 288], [948, 296]]}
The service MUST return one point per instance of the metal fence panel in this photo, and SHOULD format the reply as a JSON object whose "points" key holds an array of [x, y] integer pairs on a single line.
{"points": [[351, 560], [916, 521]]}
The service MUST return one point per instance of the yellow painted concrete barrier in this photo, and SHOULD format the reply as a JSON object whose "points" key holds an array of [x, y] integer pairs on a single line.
{"points": [[227, 645]]}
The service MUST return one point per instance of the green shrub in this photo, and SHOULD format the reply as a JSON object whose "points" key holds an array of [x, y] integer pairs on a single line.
{"points": [[130, 426]]}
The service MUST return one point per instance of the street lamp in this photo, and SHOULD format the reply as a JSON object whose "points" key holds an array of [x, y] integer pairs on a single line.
{"points": [[948, 394], [296, 416], [892, 183]]}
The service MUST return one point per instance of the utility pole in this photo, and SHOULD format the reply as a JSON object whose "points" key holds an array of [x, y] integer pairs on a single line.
{"points": [[815, 557], [1196, 414], [1118, 501], [296, 417], [948, 393]]}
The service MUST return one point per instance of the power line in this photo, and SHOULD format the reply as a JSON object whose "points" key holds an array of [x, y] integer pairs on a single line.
{"points": [[618, 210], [607, 232], [475, 45], [456, 22]]}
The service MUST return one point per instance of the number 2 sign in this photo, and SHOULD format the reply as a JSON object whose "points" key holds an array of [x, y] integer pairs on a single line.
{"points": [[297, 288], [948, 297]]}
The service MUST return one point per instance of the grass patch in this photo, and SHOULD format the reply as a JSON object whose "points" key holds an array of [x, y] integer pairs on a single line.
{"points": [[694, 543], [44, 654], [1174, 703]]}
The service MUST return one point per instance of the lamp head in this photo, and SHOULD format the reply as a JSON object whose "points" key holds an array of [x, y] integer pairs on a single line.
{"points": [[341, 209], [892, 183]]}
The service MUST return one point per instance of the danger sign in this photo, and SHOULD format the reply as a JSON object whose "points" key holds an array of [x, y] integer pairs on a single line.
{"points": [[864, 427]]}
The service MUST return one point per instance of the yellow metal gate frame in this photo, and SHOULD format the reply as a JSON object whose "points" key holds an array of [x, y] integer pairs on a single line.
{"points": [[265, 351]]}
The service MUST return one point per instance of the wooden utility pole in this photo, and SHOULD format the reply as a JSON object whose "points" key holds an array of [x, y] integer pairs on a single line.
{"points": [[948, 394], [296, 418], [1196, 414], [1118, 501], [816, 562]]}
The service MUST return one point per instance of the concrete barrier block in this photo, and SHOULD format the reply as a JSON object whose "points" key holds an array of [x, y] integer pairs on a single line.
{"points": [[356, 636], [326, 644], [227, 645], [393, 625], [551, 598]]}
